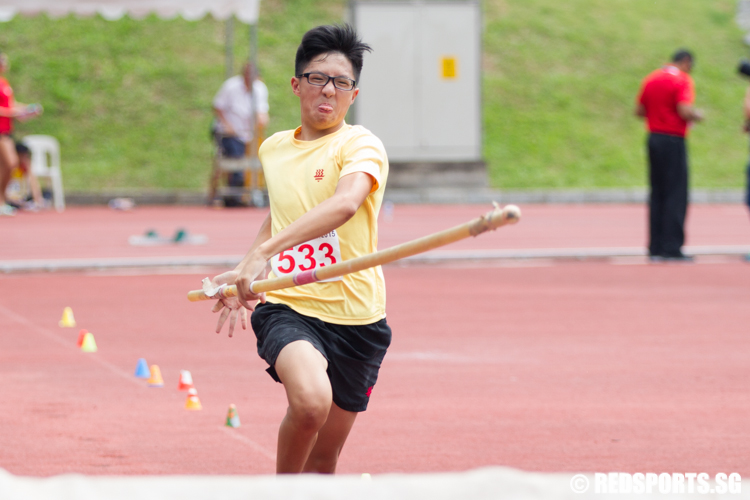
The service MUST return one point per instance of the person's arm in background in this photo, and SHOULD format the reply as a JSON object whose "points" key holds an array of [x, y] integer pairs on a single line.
{"points": [[685, 100], [688, 113], [221, 102], [640, 108], [746, 109], [225, 126], [17, 110]]}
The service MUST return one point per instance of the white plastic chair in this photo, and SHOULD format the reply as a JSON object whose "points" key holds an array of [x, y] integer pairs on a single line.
{"points": [[45, 162]]}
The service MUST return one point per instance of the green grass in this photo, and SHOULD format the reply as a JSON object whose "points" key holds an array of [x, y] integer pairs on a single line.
{"points": [[130, 100], [560, 81]]}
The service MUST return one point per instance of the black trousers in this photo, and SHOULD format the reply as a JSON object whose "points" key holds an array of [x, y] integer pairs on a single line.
{"points": [[668, 173]]}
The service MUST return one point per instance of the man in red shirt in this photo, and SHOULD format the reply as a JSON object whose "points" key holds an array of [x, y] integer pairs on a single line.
{"points": [[666, 102]]}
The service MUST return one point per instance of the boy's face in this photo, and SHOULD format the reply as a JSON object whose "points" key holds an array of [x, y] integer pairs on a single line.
{"points": [[323, 109]]}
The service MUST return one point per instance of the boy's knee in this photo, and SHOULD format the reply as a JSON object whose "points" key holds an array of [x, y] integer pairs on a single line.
{"points": [[309, 413]]}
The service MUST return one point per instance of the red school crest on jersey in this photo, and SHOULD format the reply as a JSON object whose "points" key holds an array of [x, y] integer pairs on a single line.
{"points": [[319, 174]]}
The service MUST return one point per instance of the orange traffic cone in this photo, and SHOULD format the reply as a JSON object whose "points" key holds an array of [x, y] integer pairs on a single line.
{"points": [[155, 380], [193, 403], [88, 344], [233, 420], [67, 319], [186, 381], [81, 335]]}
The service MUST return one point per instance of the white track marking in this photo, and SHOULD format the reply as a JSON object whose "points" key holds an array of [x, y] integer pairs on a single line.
{"points": [[67, 343], [157, 265], [114, 369], [244, 439]]}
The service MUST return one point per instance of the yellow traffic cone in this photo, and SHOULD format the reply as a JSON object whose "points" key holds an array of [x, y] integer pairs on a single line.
{"points": [[156, 380], [67, 321], [88, 344], [192, 402]]}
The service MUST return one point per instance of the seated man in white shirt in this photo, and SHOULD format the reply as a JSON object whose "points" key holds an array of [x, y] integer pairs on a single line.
{"points": [[240, 106], [238, 99]]}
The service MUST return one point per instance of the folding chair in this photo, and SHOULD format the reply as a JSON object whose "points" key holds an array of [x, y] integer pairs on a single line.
{"points": [[252, 191], [45, 162]]}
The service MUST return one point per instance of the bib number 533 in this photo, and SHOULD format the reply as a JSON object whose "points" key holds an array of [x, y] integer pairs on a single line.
{"points": [[312, 254]]}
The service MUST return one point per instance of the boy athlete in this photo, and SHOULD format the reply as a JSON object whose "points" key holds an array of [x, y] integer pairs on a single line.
{"points": [[324, 341]]}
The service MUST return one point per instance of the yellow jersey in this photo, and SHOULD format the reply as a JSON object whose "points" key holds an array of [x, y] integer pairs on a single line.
{"points": [[300, 175]]}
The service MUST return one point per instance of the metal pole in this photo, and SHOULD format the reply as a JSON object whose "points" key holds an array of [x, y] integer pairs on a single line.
{"points": [[229, 29], [253, 54], [256, 194]]}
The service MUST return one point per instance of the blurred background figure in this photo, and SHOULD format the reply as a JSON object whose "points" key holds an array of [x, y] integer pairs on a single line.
{"points": [[36, 201], [241, 109], [9, 158], [666, 102], [744, 69]]}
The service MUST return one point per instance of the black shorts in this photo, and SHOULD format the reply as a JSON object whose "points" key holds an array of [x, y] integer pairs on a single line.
{"points": [[353, 352]]}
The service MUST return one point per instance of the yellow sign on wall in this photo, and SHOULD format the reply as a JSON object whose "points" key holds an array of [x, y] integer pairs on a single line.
{"points": [[449, 67]]}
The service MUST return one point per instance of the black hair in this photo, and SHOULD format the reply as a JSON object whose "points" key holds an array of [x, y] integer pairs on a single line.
{"points": [[341, 38], [682, 55]]}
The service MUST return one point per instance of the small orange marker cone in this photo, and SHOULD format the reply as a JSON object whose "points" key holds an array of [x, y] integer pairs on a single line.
{"points": [[233, 420], [186, 381], [193, 403], [67, 320], [81, 335], [156, 380], [88, 344]]}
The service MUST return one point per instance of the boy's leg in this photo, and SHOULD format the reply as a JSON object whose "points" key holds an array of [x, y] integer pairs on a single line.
{"points": [[331, 439], [302, 370]]}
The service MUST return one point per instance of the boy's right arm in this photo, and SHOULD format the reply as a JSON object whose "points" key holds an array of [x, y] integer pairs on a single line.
{"points": [[230, 307]]}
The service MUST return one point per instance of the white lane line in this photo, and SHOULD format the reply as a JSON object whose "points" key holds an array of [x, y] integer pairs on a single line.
{"points": [[118, 371], [244, 439], [142, 264], [66, 343]]}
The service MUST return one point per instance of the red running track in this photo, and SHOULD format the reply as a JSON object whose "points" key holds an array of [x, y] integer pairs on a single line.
{"points": [[569, 367]]}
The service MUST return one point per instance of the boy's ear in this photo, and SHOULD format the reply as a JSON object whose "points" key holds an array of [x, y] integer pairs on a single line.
{"points": [[295, 86]]}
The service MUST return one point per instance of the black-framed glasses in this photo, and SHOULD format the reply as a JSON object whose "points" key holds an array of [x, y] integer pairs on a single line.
{"points": [[321, 80]]}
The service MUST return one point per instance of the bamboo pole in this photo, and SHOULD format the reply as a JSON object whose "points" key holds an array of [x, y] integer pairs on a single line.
{"points": [[488, 222]]}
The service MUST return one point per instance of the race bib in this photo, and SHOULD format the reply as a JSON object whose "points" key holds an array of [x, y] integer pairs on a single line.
{"points": [[307, 256]]}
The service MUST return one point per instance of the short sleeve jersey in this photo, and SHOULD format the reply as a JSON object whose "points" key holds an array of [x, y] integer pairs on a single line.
{"points": [[6, 101], [660, 93], [234, 100], [302, 174]]}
